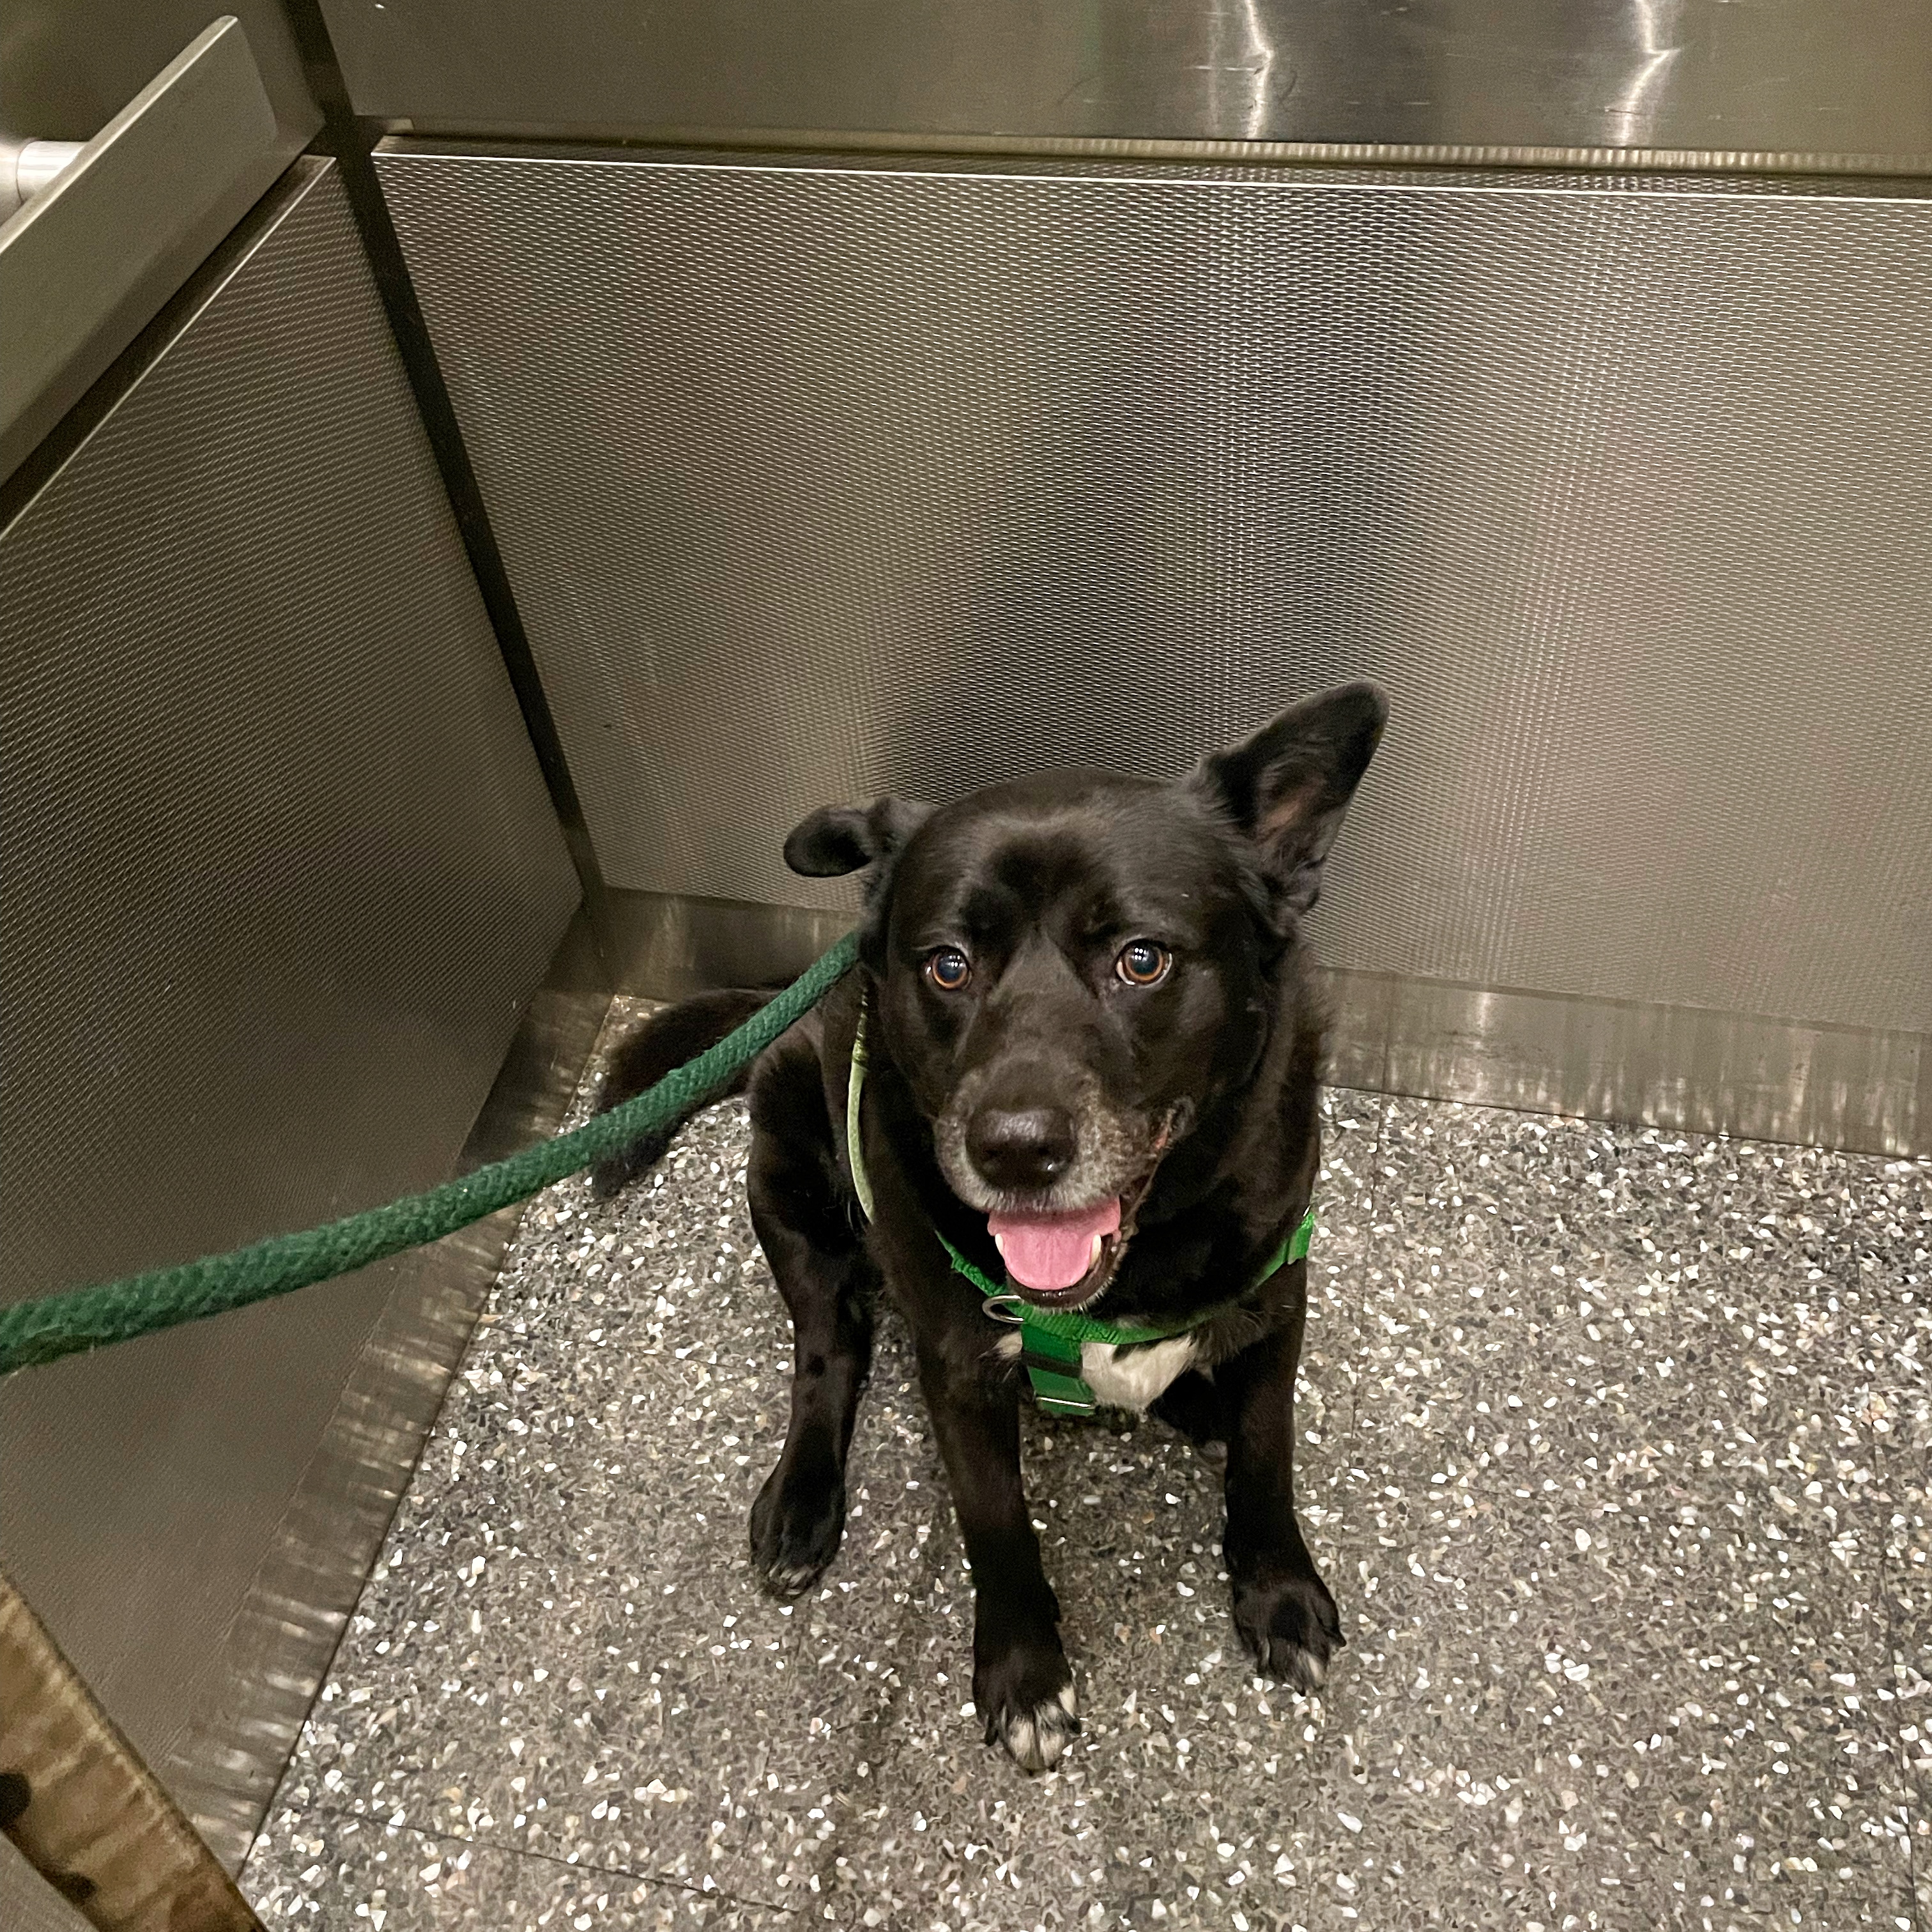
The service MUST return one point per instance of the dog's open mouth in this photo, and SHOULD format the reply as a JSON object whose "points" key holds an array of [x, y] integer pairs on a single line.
{"points": [[1064, 1260], [1050, 1256]]}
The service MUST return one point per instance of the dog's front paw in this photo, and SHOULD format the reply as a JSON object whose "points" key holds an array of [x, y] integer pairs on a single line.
{"points": [[1026, 1696], [797, 1523], [1291, 1624]]}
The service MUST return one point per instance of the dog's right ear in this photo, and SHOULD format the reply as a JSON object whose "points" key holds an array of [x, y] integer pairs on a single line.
{"points": [[1287, 786], [840, 838]]}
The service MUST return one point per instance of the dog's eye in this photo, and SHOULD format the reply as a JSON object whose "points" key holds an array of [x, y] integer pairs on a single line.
{"points": [[949, 969], [1142, 963]]}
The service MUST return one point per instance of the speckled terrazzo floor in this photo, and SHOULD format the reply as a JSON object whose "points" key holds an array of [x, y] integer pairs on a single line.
{"points": [[1617, 1453]]}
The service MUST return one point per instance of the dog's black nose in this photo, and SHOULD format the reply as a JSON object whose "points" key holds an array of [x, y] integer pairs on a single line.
{"points": [[1022, 1147]]}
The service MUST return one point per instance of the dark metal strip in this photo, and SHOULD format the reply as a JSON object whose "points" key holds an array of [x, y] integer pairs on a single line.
{"points": [[1217, 154], [350, 140]]}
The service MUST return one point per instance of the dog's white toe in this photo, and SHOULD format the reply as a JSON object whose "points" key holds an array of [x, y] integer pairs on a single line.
{"points": [[1036, 1738], [1300, 1668]]}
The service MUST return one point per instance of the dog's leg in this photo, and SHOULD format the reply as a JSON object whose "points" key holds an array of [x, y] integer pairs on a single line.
{"points": [[1283, 1609], [829, 1283], [1197, 1408], [1022, 1685]]}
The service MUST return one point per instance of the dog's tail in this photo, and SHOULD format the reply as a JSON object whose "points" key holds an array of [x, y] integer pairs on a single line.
{"points": [[664, 1042]]}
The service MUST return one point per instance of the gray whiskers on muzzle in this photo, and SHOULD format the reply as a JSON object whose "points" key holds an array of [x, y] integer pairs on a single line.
{"points": [[1114, 1148]]}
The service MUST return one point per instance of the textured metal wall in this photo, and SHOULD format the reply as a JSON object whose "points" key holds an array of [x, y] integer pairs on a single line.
{"points": [[818, 479], [280, 874]]}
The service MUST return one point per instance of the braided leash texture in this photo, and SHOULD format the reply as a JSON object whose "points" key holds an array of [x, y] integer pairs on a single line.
{"points": [[54, 1325]]}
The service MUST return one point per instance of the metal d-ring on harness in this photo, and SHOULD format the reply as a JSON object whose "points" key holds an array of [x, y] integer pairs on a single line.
{"points": [[1050, 1341]]}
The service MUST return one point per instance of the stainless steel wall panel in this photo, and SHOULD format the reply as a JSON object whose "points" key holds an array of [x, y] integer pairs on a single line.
{"points": [[281, 876], [276, 1649], [1853, 79], [818, 479]]}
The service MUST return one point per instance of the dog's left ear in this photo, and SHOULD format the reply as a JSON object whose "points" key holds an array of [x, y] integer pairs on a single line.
{"points": [[1288, 786], [840, 838]]}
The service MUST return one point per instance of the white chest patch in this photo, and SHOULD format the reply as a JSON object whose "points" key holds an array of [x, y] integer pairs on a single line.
{"points": [[1125, 1378], [1132, 1377]]}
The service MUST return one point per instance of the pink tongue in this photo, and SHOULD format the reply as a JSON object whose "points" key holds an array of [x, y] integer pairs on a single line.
{"points": [[1051, 1251]]}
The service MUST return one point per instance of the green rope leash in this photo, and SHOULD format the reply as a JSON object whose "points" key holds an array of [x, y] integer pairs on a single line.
{"points": [[55, 1325]]}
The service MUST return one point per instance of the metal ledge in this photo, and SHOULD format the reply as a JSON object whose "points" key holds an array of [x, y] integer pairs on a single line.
{"points": [[85, 265]]}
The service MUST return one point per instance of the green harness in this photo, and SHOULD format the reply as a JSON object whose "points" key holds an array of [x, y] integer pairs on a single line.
{"points": [[1050, 1341]]}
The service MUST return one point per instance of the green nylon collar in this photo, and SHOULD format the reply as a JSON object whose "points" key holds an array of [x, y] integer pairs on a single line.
{"points": [[1050, 1340]]}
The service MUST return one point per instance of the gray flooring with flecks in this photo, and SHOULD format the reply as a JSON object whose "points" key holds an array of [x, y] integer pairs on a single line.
{"points": [[1616, 1456]]}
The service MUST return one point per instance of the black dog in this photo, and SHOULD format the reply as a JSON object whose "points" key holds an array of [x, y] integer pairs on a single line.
{"points": [[1092, 1050]]}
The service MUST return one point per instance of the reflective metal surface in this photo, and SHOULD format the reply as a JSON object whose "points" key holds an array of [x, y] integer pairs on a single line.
{"points": [[670, 946], [815, 481], [1680, 1067], [1779, 75], [28, 168], [281, 876], [90, 259]]}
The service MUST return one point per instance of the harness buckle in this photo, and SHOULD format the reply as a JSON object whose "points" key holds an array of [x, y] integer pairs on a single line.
{"points": [[997, 1307], [1061, 1405]]}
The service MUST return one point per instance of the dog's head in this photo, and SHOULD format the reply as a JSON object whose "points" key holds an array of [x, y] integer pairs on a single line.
{"points": [[1072, 971]]}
